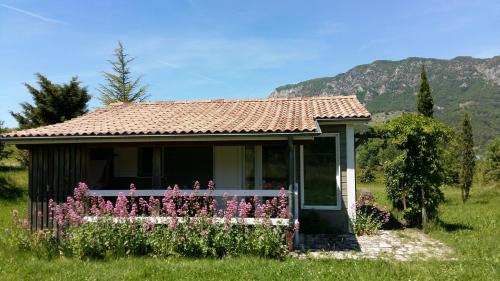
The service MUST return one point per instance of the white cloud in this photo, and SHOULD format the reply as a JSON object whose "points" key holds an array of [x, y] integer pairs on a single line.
{"points": [[33, 15]]}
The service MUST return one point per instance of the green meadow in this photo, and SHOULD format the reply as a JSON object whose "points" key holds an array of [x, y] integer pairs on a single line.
{"points": [[471, 229]]}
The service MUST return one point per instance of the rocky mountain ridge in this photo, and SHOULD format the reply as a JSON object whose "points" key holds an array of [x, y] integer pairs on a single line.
{"points": [[458, 85]]}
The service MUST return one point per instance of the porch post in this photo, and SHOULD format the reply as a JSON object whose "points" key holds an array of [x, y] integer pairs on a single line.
{"points": [[291, 175], [351, 176], [292, 193]]}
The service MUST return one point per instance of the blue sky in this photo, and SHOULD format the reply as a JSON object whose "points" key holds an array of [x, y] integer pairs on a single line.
{"points": [[200, 49]]}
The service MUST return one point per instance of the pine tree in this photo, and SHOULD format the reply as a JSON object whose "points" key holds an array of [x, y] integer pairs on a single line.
{"points": [[53, 103], [425, 103], [467, 157], [120, 87]]}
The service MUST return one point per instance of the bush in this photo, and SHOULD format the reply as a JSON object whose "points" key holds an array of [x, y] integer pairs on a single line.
{"points": [[177, 225], [488, 170], [369, 217], [367, 175], [43, 243], [105, 238]]}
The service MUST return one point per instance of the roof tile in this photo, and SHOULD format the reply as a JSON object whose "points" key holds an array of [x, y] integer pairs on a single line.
{"points": [[276, 115]]}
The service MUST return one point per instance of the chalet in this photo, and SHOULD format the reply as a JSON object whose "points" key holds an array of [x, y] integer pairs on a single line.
{"points": [[247, 146]]}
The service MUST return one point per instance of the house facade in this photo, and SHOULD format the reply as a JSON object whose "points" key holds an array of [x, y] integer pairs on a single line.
{"points": [[247, 147]]}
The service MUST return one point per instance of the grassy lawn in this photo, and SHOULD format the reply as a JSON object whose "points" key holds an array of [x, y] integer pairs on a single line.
{"points": [[470, 229]]}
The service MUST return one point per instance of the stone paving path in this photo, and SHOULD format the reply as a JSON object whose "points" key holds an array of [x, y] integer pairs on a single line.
{"points": [[399, 245]]}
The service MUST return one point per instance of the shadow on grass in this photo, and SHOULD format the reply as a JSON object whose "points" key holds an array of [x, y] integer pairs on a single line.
{"points": [[392, 224], [451, 227], [4, 168], [8, 190]]}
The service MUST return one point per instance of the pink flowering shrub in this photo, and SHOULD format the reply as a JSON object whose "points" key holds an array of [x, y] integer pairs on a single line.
{"points": [[369, 216], [177, 224]]}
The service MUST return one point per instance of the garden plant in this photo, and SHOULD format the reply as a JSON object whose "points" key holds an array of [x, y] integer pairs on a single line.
{"points": [[178, 224]]}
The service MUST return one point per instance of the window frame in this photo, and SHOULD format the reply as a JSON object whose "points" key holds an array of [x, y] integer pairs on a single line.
{"points": [[338, 204]]}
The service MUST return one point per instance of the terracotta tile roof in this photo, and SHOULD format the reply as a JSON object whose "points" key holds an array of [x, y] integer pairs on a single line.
{"points": [[277, 115]]}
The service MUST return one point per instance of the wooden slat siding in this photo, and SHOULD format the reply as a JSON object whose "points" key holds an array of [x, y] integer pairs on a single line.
{"points": [[30, 185], [44, 187], [72, 170], [85, 161], [62, 165], [55, 180], [50, 184], [39, 183], [66, 168], [54, 171], [32, 188]]}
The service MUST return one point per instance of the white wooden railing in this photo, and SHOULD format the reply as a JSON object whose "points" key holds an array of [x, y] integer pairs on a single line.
{"points": [[201, 192], [167, 220]]}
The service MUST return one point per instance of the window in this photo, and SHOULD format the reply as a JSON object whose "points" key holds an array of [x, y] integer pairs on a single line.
{"points": [[186, 164], [274, 167], [145, 162], [321, 187]]}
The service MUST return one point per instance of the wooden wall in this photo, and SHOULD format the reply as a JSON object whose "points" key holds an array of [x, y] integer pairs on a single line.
{"points": [[54, 172]]}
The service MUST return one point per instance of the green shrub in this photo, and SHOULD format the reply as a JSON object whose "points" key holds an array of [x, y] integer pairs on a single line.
{"points": [[89, 227], [367, 175], [369, 216], [366, 224], [104, 238], [196, 238]]}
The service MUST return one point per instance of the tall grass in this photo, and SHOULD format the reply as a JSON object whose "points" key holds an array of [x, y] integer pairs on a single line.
{"points": [[471, 229]]}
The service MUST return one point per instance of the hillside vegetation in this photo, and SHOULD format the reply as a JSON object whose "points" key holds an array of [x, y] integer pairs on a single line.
{"points": [[458, 85]]}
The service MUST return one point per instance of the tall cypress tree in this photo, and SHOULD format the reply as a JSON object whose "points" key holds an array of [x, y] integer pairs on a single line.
{"points": [[425, 103], [53, 103], [120, 87], [467, 157]]}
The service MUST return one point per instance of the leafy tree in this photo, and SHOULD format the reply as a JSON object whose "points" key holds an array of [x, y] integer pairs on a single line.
{"points": [[3, 152], [120, 87], [53, 103], [413, 178], [493, 150], [467, 157], [367, 174], [425, 103], [489, 168], [449, 161], [368, 153]]}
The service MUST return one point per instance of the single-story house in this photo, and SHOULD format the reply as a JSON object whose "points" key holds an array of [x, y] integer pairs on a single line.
{"points": [[247, 146]]}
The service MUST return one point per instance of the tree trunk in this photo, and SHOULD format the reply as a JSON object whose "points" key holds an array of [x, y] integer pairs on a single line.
{"points": [[403, 199], [424, 210]]}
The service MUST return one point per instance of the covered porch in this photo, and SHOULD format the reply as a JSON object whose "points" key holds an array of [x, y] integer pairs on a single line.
{"points": [[312, 169]]}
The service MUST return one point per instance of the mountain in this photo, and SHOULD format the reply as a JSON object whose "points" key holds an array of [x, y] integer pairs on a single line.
{"points": [[385, 87]]}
